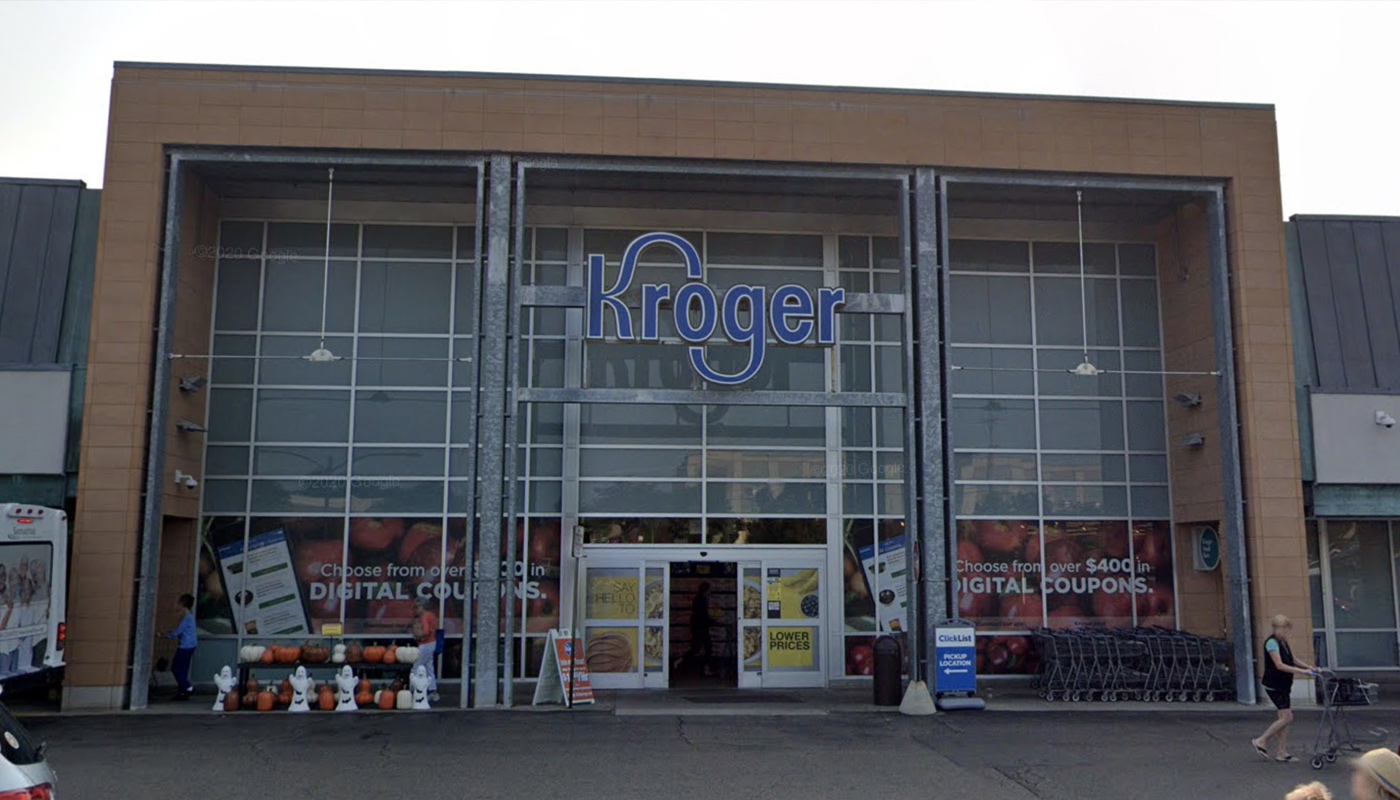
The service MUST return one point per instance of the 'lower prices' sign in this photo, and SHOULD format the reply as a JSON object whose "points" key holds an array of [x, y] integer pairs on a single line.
{"points": [[955, 659]]}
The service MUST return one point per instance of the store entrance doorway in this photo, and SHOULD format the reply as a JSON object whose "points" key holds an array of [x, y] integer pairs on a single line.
{"points": [[703, 608]]}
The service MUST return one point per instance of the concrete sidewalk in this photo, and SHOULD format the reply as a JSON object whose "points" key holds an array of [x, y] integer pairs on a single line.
{"points": [[1001, 698]]}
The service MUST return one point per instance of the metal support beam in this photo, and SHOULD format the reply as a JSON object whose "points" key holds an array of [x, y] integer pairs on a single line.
{"points": [[713, 397], [1232, 522], [152, 513], [491, 433], [932, 509], [913, 546], [513, 336], [472, 412]]}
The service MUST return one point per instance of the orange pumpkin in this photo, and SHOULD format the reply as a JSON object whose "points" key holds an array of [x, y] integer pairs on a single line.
{"points": [[253, 686], [284, 699], [231, 701], [363, 698], [269, 655], [290, 655], [386, 701], [354, 653], [326, 700], [374, 654], [363, 687], [250, 700], [266, 700], [285, 686], [389, 657]]}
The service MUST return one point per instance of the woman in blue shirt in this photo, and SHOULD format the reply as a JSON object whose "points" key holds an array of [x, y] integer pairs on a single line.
{"points": [[185, 642]]}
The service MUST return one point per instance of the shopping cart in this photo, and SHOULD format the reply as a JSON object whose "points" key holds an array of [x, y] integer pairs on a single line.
{"points": [[1334, 729]]}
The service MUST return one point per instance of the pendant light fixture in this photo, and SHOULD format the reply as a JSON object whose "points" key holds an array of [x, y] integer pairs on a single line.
{"points": [[1086, 368], [322, 355]]}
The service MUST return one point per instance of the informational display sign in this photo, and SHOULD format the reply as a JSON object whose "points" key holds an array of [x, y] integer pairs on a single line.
{"points": [[564, 672], [792, 648], [263, 581], [955, 654], [886, 571], [793, 593], [1207, 549], [612, 593]]}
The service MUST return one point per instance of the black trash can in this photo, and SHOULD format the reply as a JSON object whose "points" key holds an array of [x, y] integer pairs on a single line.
{"points": [[888, 668]]}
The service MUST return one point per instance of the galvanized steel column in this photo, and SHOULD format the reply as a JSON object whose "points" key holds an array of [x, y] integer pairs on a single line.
{"points": [[152, 514], [928, 317], [490, 443], [1232, 518]]}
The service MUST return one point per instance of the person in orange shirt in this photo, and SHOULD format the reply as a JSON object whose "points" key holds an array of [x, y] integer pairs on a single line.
{"points": [[425, 625]]}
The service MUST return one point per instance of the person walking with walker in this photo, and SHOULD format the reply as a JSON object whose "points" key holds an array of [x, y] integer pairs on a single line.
{"points": [[1279, 668]]}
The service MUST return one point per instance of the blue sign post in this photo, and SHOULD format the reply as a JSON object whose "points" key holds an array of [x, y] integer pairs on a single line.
{"points": [[955, 666]]}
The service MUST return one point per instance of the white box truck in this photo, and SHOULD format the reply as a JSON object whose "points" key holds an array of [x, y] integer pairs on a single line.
{"points": [[33, 591]]}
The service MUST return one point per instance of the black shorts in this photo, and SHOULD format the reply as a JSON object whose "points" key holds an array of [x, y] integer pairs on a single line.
{"points": [[1281, 698]]}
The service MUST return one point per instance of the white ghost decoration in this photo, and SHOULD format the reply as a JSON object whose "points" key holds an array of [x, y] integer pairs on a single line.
{"points": [[345, 690], [224, 680], [301, 689], [419, 681]]}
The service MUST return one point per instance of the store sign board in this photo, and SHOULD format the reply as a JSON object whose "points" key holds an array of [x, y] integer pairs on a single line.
{"points": [[564, 672], [1207, 549], [955, 651], [745, 315], [792, 648]]}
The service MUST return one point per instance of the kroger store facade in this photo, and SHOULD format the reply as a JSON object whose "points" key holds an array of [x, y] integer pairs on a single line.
{"points": [[861, 360]]}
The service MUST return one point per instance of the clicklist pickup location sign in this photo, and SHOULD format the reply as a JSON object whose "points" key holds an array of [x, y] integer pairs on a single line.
{"points": [[955, 650], [792, 314]]}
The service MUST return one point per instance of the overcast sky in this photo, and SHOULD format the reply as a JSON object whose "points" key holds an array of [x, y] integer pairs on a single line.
{"points": [[1327, 66]]}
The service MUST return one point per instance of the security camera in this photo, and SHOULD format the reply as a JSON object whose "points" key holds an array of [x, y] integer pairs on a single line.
{"points": [[1385, 419], [187, 481]]}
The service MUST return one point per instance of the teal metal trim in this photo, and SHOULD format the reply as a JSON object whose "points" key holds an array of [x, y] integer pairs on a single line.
{"points": [[77, 318], [1303, 353], [41, 490], [1355, 500]]}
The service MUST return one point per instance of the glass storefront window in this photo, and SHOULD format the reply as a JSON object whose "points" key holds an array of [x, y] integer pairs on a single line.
{"points": [[1363, 588]]}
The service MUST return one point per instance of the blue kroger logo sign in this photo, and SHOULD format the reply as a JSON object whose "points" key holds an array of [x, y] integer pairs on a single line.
{"points": [[793, 315]]}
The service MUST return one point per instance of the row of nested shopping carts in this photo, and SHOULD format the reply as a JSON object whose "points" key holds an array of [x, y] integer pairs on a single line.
{"points": [[1153, 664]]}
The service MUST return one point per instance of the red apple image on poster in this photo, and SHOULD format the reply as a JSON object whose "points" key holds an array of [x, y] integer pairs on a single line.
{"points": [[1066, 616], [1113, 538], [1157, 607], [542, 610], [370, 535], [1024, 610], [544, 544], [389, 616], [1152, 546], [975, 605], [1116, 607], [317, 560], [1002, 538], [421, 546]]}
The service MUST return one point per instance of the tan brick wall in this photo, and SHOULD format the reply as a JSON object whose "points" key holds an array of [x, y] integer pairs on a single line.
{"points": [[155, 107]]}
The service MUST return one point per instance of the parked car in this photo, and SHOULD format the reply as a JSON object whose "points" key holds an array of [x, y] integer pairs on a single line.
{"points": [[25, 773]]}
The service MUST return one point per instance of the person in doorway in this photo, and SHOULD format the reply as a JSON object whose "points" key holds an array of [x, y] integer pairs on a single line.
{"points": [[701, 643], [425, 625], [1376, 776], [185, 642], [1279, 668]]}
